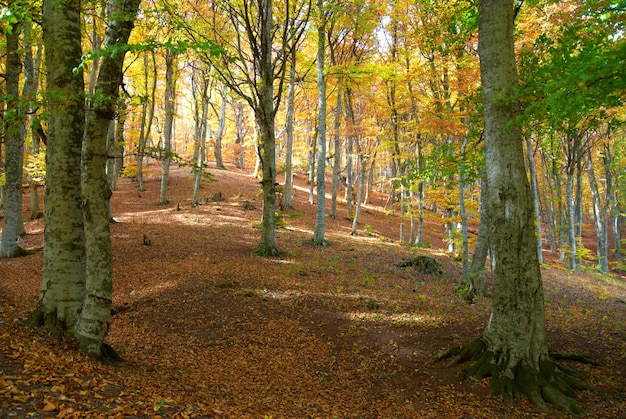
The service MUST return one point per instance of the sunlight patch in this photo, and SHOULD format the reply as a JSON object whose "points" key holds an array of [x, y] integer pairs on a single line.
{"points": [[399, 318]]}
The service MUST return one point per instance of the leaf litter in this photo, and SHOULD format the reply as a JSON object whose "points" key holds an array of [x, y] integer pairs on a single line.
{"points": [[208, 330]]}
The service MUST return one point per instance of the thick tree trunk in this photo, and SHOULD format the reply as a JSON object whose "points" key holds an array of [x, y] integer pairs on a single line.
{"points": [[320, 212], [14, 150], [513, 348], [201, 109], [94, 320], [63, 283]]}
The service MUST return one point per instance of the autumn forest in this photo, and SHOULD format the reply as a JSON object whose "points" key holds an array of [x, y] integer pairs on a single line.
{"points": [[298, 208]]}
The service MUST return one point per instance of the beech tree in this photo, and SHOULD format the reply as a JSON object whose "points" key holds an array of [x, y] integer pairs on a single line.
{"points": [[14, 147], [513, 348], [76, 290], [256, 47], [320, 213], [63, 277]]}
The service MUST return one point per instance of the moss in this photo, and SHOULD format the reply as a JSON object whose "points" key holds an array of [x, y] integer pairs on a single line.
{"points": [[548, 385]]}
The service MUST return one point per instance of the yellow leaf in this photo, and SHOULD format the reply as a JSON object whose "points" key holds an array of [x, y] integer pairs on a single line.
{"points": [[21, 398], [49, 406]]}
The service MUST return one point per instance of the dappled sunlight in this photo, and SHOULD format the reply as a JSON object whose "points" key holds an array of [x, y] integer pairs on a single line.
{"points": [[155, 216], [395, 318], [212, 219]]}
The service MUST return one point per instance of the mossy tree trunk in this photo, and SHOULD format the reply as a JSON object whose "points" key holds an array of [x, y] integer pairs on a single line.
{"points": [[94, 319], [513, 349], [63, 280]]}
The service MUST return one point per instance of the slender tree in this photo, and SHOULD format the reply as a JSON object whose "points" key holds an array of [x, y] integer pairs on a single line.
{"points": [[168, 126], [14, 148], [320, 212], [251, 67]]}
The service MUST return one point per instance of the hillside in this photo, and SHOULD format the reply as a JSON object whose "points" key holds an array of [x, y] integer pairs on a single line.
{"points": [[207, 329]]}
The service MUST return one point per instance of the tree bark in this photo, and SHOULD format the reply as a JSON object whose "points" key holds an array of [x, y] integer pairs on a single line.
{"points": [[147, 116], [63, 280], [265, 115], [168, 126], [221, 124], [94, 320], [532, 166], [14, 149], [287, 195], [320, 212], [600, 217], [513, 348]]}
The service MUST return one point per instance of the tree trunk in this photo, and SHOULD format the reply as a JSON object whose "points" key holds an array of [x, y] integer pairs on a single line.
{"points": [[31, 83], [336, 157], [513, 348], [532, 166], [571, 217], [476, 278], [241, 130], [170, 93], [94, 320], [320, 213], [600, 217], [462, 211], [287, 195], [14, 150], [63, 282], [119, 144], [359, 195], [201, 109], [221, 124], [312, 145], [267, 141], [147, 116]]}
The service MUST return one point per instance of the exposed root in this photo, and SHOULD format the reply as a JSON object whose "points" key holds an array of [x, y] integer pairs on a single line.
{"points": [[550, 385], [582, 358]]}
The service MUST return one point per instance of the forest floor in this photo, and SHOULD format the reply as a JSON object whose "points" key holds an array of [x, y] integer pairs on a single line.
{"points": [[209, 330]]}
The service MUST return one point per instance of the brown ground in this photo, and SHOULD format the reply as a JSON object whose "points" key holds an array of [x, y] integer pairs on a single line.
{"points": [[207, 329]]}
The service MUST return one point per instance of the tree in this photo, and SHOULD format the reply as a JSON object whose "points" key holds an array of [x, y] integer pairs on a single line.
{"points": [[168, 128], [252, 63], [513, 348], [14, 148], [63, 278], [320, 213], [93, 323], [76, 291]]}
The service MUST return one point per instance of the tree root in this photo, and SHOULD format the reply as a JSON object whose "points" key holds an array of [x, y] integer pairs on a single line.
{"points": [[549, 385]]}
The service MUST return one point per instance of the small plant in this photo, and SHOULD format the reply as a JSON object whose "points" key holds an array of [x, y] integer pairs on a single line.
{"points": [[368, 279], [371, 304], [249, 293], [369, 230]]}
